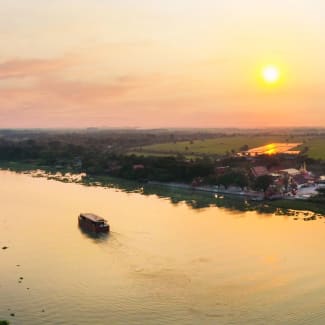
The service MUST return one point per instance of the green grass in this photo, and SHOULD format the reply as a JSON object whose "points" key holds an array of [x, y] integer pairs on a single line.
{"points": [[218, 146], [222, 145], [316, 147]]}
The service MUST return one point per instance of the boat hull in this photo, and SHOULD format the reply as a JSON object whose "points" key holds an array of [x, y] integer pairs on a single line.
{"points": [[91, 227]]}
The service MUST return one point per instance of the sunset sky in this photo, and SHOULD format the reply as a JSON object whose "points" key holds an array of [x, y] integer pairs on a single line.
{"points": [[171, 63]]}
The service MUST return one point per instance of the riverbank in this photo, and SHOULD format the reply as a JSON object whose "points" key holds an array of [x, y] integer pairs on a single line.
{"points": [[257, 196], [196, 196]]}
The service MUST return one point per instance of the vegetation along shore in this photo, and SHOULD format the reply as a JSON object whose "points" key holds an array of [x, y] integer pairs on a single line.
{"points": [[219, 162]]}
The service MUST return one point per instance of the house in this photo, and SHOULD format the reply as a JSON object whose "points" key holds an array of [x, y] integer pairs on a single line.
{"points": [[258, 171], [300, 179], [301, 176], [290, 171]]}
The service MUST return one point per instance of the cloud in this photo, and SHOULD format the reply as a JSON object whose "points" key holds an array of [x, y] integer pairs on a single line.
{"points": [[85, 93], [64, 96], [23, 68]]}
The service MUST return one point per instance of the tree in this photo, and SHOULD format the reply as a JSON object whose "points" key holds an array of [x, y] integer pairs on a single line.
{"points": [[304, 150], [241, 179], [263, 182], [234, 177], [226, 180], [244, 148], [286, 179], [4, 322]]}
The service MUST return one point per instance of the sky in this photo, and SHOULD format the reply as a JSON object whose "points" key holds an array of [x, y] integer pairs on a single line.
{"points": [[151, 64]]}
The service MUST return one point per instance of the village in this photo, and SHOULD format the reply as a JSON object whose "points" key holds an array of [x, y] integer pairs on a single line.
{"points": [[290, 182], [269, 183]]}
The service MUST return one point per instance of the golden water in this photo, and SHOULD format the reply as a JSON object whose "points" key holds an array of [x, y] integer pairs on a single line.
{"points": [[163, 263]]}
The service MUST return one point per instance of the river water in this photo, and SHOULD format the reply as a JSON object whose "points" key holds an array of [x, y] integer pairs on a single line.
{"points": [[163, 263]]}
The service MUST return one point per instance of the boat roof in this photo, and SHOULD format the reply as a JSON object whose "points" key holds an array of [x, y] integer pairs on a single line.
{"points": [[92, 217]]}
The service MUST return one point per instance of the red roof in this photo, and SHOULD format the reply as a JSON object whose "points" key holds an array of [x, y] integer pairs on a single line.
{"points": [[259, 171]]}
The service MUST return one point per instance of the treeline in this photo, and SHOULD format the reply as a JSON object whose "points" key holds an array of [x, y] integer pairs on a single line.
{"points": [[106, 140], [95, 161], [100, 153]]}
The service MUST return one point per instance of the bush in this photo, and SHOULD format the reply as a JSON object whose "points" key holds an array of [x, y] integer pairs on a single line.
{"points": [[4, 322]]}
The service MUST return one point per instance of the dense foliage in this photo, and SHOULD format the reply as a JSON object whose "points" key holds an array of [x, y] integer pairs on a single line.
{"points": [[262, 183], [105, 152]]}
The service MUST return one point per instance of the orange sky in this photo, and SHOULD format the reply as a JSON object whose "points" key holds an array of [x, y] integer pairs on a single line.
{"points": [[150, 63]]}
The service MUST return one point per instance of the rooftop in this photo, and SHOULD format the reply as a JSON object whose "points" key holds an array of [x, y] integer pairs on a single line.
{"points": [[259, 171], [92, 217], [290, 171]]}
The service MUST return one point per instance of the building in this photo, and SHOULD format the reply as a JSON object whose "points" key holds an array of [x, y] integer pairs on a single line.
{"points": [[258, 171]]}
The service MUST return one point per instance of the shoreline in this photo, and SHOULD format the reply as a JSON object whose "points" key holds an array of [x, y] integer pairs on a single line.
{"points": [[216, 196], [255, 196]]}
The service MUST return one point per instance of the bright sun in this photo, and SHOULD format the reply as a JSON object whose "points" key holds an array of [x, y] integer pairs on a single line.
{"points": [[271, 74]]}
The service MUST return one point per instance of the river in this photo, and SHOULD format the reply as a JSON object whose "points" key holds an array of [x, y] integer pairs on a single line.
{"points": [[164, 262]]}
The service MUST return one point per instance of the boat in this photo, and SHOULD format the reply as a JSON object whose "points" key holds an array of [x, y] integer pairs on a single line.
{"points": [[93, 223]]}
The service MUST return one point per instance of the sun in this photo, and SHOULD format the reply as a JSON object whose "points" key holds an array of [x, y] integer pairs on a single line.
{"points": [[271, 74]]}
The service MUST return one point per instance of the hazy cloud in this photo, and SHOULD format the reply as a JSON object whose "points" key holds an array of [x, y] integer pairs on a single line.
{"points": [[22, 68]]}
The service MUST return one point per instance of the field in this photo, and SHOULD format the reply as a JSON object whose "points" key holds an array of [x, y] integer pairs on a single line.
{"points": [[224, 144], [316, 147]]}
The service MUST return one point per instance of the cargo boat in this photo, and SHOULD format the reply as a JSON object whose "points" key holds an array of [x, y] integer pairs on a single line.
{"points": [[93, 223]]}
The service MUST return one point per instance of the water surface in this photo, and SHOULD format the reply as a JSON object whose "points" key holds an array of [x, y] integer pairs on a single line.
{"points": [[163, 263]]}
